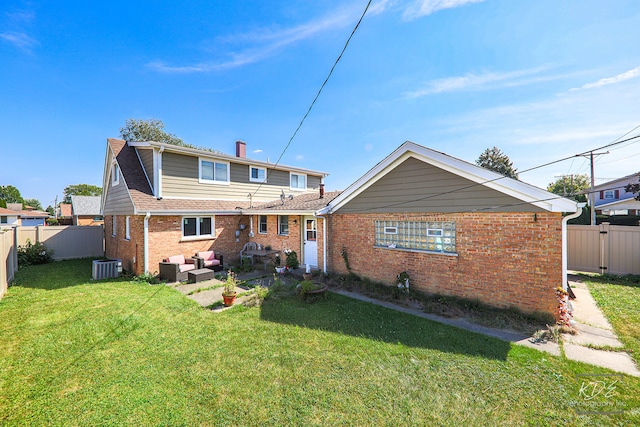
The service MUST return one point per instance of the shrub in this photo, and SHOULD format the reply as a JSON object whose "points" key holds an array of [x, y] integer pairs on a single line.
{"points": [[34, 253], [292, 259]]}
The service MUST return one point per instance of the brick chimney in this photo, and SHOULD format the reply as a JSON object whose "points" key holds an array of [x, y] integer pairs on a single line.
{"points": [[322, 191], [241, 149]]}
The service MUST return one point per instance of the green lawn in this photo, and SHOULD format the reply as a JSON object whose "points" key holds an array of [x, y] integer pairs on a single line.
{"points": [[77, 352], [619, 299]]}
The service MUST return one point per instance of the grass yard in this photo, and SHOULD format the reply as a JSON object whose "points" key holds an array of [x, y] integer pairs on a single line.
{"points": [[77, 352], [619, 299]]}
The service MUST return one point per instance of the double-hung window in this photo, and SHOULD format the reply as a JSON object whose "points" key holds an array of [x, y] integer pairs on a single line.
{"points": [[257, 174], [196, 227], [297, 181], [127, 227], [213, 172], [262, 224], [283, 225], [430, 236]]}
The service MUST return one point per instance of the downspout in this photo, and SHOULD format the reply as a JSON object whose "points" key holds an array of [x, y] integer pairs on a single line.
{"points": [[146, 242], [565, 220], [324, 244]]}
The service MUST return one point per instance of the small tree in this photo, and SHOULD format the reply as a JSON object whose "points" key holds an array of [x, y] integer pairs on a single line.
{"points": [[634, 188], [10, 194], [495, 160], [81, 190], [34, 203], [571, 187], [152, 130]]}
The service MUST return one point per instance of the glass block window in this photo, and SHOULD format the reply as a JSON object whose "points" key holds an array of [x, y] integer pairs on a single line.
{"points": [[434, 236]]}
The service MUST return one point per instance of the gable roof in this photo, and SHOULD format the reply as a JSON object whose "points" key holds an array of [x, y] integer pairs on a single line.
{"points": [[469, 178], [85, 205], [8, 212]]}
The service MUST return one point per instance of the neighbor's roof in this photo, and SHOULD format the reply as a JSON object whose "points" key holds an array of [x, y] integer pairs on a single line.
{"points": [[629, 179], [65, 209], [479, 176], [308, 203], [6, 212], [86, 205]]}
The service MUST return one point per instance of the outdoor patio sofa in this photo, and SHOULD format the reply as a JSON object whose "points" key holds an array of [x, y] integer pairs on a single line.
{"points": [[210, 260], [176, 268]]}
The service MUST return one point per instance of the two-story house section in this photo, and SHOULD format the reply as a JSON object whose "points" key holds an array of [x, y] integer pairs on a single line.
{"points": [[612, 199], [161, 200]]}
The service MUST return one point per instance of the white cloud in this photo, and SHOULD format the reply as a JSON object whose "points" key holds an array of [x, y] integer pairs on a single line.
{"points": [[257, 151], [368, 147], [263, 43], [427, 7], [299, 157], [631, 74], [19, 39], [483, 81]]}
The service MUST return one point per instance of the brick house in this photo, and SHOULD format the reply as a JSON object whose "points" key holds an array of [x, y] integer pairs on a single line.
{"points": [[161, 200], [456, 228]]}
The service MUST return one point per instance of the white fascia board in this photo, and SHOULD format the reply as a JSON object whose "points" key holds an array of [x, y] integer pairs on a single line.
{"points": [[629, 200], [517, 189], [187, 213]]}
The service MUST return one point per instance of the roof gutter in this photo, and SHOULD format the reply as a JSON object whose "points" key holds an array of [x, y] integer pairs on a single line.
{"points": [[565, 220]]}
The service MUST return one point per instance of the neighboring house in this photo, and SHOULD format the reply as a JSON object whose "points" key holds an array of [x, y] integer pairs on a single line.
{"points": [[86, 210], [456, 228], [612, 199], [64, 214], [160, 200], [28, 218], [9, 218]]}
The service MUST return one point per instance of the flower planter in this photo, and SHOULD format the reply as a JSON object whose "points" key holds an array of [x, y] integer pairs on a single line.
{"points": [[229, 299], [314, 292], [281, 270]]}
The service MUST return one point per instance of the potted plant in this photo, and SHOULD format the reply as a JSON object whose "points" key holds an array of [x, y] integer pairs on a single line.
{"points": [[307, 288], [279, 269], [229, 292], [292, 259]]}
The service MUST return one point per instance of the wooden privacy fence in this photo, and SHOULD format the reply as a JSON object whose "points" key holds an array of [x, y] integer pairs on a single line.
{"points": [[8, 258], [67, 242], [613, 249]]}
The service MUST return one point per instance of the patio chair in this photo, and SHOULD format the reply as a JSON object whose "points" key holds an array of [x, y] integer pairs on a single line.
{"points": [[250, 246], [176, 268], [210, 260]]}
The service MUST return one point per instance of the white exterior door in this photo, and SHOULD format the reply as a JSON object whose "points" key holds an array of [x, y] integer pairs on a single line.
{"points": [[310, 241]]}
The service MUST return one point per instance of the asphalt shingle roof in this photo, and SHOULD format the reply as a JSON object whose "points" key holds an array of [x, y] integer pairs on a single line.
{"points": [[86, 205]]}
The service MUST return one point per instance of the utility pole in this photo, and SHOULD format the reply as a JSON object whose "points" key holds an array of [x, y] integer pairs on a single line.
{"points": [[592, 195]]}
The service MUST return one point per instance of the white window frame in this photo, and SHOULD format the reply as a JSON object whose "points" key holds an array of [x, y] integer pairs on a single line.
{"points": [[258, 168], [115, 174], [199, 236], [291, 187], [266, 227], [127, 228], [281, 223], [214, 180], [114, 225], [609, 195]]}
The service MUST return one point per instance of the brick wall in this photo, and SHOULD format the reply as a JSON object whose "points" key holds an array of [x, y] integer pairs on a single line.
{"points": [[503, 259], [165, 239], [293, 240]]}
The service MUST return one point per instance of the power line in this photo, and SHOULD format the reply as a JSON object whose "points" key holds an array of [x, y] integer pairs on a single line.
{"points": [[319, 92]]}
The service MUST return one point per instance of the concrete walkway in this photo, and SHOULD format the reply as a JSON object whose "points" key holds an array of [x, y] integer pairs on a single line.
{"points": [[594, 331]]}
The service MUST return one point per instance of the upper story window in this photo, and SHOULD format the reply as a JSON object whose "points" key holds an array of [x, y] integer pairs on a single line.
{"points": [[198, 227], [211, 172], [298, 181], [257, 174], [608, 194], [115, 174], [262, 224]]}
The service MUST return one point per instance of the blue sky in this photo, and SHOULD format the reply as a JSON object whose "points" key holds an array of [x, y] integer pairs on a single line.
{"points": [[540, 80]]}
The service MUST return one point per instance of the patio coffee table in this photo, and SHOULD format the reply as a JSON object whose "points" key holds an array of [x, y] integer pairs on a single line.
{"points": [[200, 275]]}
